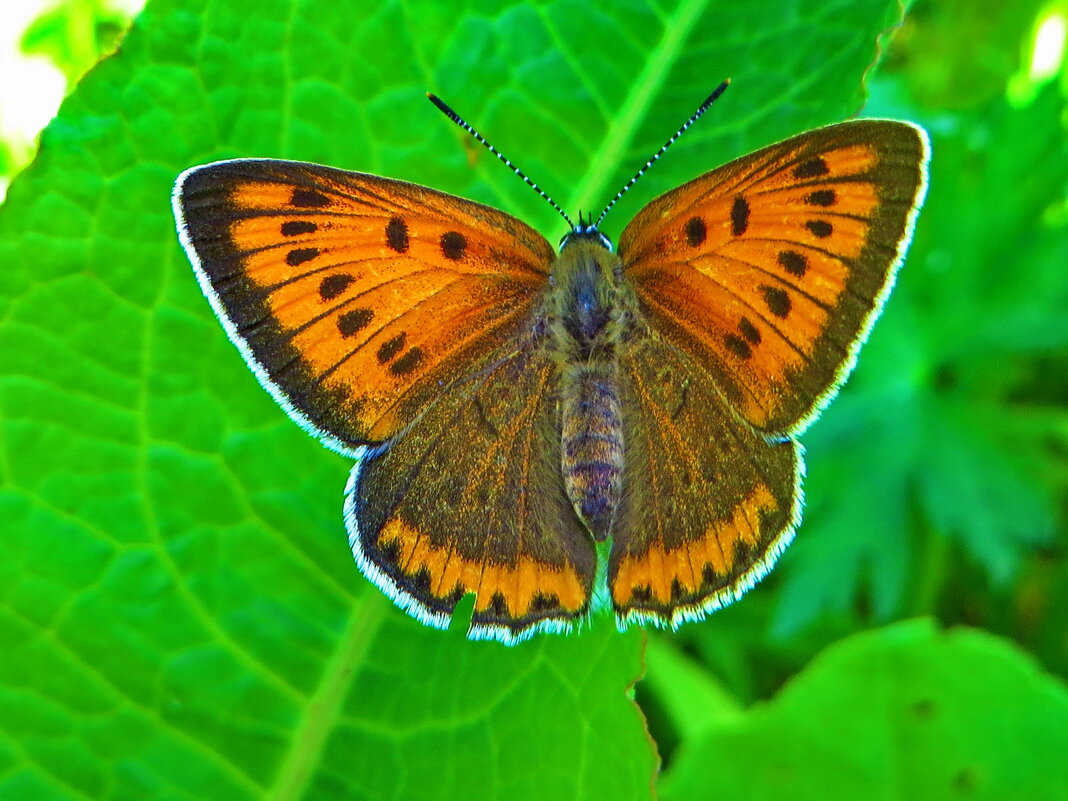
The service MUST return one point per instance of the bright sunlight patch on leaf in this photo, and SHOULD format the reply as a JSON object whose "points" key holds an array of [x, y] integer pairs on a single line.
{"points": [[1047, 53], [32, 84], [31, 87]]}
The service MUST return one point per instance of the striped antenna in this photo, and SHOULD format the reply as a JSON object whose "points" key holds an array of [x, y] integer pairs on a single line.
{"points": [[693, 118], [452, 115]]}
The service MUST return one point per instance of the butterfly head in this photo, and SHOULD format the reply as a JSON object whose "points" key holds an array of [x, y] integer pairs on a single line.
{"points": [[586, 231]]}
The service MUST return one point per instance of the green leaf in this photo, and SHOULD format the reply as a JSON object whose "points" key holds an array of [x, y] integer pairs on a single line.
{"points": [[181, 617], [903, 712], [682, 691]]}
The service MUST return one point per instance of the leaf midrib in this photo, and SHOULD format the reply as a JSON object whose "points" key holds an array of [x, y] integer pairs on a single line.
{"points": [[322, 710]]}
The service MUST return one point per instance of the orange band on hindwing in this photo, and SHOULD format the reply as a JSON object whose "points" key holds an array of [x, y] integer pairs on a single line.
{"points": [[662, 575], [518, 586]]}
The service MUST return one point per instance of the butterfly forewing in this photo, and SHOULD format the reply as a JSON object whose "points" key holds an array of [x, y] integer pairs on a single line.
{"points": [[354, 297], [769, 270]]}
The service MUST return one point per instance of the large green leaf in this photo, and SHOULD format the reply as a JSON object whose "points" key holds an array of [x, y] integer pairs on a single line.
{"points": [[180, 615], [901, 713]]}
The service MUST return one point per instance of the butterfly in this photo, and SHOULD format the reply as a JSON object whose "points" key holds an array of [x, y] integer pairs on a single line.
{"points": [[555, 430]]}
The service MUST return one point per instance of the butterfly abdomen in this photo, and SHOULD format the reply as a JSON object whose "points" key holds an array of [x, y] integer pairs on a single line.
{"points": [[588, 312], [592, 443]]}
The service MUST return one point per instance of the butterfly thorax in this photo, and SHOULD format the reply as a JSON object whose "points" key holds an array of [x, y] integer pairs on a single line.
{"points": [[590, 311]]}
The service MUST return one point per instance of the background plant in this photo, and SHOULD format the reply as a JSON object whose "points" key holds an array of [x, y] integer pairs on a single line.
{"points": [[179, 614]]}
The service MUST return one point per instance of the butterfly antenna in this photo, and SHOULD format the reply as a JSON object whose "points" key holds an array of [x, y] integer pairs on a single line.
{"points": [[452, 115], [693, 118]]}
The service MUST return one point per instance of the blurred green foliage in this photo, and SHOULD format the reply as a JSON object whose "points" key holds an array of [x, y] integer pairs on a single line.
{"points": [[75, 34], [179, 615], [890, 714]]}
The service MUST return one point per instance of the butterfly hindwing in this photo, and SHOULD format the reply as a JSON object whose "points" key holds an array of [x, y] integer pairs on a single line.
{"points": [[708, 502], [354, 298], [769, 270], [470, 499]]}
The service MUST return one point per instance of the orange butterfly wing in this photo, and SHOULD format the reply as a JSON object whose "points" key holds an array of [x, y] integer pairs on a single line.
{"points": [[355, 298], [770, 270], [757, 283], [378, 311]]}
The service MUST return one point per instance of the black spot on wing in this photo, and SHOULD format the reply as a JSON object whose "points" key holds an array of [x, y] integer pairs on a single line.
{"points": [[298, 256], [351, 322], [696, 231], [334, 285], [738, 346], [820, 228], [422, 582], [811, 168], [298, 227], [642, 594], [739, 216], [397, 235], [793, 262], [777, 300], [499, 605], [453, 245], [309, 199], [390, 348], [544, 603], [408, 362], [749, 331], [821, 197]]}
